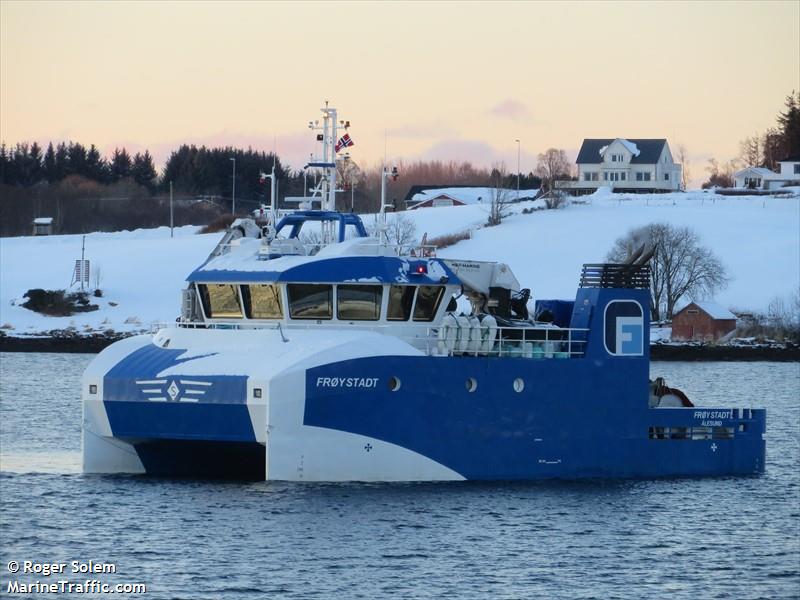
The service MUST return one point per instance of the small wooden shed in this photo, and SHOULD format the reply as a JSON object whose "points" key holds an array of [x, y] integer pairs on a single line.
{"points": [[702, 321], [43, 226]]}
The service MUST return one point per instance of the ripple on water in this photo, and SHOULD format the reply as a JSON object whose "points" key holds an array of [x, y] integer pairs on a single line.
{"points": [[682, 538]]}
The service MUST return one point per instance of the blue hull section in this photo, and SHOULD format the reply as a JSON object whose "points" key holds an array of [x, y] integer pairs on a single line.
{"points": [[573, 418], [140, 404]]}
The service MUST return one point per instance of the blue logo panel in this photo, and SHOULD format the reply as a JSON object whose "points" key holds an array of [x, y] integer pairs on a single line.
{"points": [[624, 328]]}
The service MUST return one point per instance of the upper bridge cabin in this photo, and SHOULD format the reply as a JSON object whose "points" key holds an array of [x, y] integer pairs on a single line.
{"points": [[366, 283]]}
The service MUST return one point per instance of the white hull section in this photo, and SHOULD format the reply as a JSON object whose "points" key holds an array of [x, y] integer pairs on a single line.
{"points": [[317, 454], [276, 380]]}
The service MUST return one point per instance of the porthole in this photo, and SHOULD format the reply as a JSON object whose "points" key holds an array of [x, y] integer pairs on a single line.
{"points": [[519, 385], [394, 384], [471, 384]]}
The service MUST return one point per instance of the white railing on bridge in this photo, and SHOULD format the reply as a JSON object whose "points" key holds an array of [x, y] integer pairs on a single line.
{"points": [[520, 342]]}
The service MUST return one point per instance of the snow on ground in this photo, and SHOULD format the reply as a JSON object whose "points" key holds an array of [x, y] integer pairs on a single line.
{"points": [[757, 239], [143, 271]]}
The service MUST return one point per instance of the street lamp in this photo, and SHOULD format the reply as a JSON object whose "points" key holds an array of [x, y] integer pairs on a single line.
{"points": [[233, 193], [518, 147]]}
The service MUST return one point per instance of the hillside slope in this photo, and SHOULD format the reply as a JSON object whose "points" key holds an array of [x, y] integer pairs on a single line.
{"points": [[142, 272]]}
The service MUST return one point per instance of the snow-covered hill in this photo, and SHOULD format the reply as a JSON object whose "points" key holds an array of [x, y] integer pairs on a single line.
{"points": [[142, 272]]}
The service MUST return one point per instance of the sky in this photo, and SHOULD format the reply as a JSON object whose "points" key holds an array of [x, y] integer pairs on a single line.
{"points": [[450, 80]]}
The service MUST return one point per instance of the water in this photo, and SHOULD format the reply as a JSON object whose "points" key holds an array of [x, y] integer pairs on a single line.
{"points": [[683, 538]]}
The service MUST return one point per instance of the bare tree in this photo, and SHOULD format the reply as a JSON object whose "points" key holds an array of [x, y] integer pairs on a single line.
{"points": [[683, 159], [552, 166], [720, 176], [402, 230], [680, 266], [500, 197], [751, 151]]}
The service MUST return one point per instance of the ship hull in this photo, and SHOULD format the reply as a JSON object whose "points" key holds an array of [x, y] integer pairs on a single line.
{"points": [[396, 417]]}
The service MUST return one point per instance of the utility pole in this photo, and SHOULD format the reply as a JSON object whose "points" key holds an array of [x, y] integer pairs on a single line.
{"points": [[233, 194], [171, 220], [518, 146]]}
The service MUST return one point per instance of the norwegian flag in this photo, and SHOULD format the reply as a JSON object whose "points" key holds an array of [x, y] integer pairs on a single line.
{"points": [[344, 142]]}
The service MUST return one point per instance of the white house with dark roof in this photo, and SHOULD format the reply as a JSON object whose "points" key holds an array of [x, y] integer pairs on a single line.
{"points": [[625, 165], [761, 178]]}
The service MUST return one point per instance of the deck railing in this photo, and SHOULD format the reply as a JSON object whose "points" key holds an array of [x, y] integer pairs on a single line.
{"points": [[521, 342]]}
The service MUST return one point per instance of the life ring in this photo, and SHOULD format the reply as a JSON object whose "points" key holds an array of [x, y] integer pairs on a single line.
{"points": [[488, 333], [448, 334], [462, 341]]}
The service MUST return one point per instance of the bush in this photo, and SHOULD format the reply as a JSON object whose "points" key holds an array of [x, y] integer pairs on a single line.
{"points": [[555, 199], [449, 239], [57, 303], [221, 223]]}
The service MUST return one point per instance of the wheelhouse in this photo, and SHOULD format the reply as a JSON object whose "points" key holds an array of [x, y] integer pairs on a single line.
{"points": [[301, 302]]}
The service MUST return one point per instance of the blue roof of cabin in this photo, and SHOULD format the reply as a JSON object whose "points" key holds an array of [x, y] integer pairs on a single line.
{"points": [[340, 269]]}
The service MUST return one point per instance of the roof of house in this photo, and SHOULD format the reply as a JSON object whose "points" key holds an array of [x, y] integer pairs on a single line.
{"points": [[713, 310], [417, 189], [472, 195], [649, 150], [763, 171]]}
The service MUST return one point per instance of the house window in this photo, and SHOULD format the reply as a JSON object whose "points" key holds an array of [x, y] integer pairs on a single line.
{"points": [[797, 169], [647, 176], [640, 177], [622, 176], [587, 176], [594, 176], [616, 158], [666, 176]]}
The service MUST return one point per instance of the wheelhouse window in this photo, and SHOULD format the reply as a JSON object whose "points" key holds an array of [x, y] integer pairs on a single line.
{"points": [[310, 301], [401, 297], [428, 298], [220, 300], [262, 301], [358, 302]]}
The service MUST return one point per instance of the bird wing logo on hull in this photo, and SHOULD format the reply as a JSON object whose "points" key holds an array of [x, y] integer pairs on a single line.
{"points": [[173, 389]]}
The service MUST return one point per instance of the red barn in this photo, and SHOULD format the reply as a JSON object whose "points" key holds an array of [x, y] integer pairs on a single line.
{"points": [[703, 321]]}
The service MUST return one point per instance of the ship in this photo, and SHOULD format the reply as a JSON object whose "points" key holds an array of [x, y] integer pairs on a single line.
{"points": [[309, 348]]}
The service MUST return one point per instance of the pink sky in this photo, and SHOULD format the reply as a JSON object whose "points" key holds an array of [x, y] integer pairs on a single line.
{"points": [[449, 80]]}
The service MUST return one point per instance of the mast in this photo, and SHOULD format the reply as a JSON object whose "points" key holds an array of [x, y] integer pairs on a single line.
{"points": [[326, 190]]}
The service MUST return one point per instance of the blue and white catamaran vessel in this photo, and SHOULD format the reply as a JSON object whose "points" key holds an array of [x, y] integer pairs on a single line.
{"points": [[348, 360]]}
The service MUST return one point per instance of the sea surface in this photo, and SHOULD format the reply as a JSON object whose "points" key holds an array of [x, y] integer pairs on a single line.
{"points": [[677, 538]]}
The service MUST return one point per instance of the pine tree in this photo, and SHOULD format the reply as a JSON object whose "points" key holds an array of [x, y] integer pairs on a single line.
{"points": [[143, 170], [789, 125], [34, 168], [76, 159], [61, 168], [120, 164], [96, 167], [49, 170], [4, 162]]}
